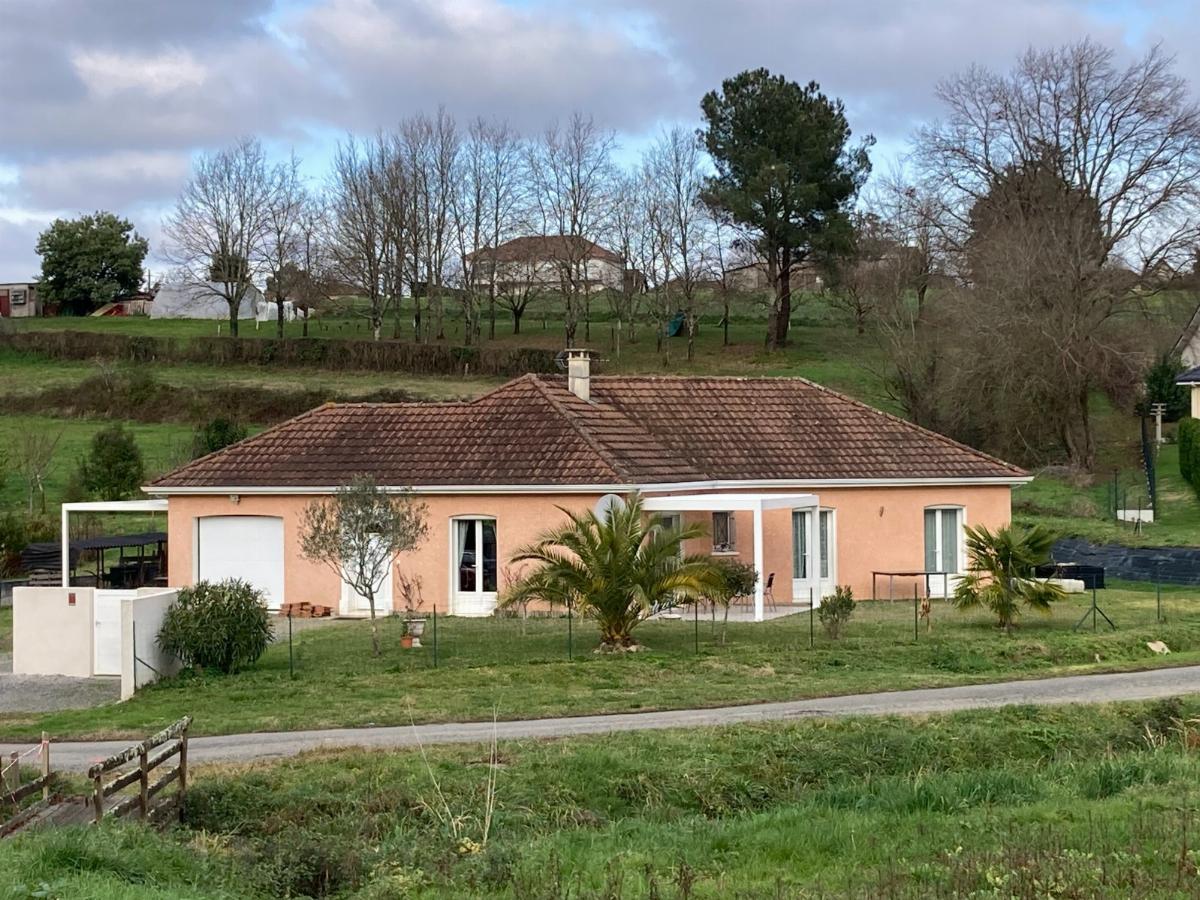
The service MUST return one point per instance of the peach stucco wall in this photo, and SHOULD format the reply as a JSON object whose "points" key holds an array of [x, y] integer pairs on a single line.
{"points": [[876, 528]]}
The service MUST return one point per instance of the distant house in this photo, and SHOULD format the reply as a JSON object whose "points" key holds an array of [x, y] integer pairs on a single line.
{"points": [[201, 300], [548, 262], [19, 300], [752, 276]]}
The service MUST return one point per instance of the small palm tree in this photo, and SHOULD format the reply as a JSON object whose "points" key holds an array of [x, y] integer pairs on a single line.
{"points": [[618, 569], [1001, 572]]}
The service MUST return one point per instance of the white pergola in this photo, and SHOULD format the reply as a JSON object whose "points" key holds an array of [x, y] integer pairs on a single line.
{"points": [[97, 506], [757, 504]]}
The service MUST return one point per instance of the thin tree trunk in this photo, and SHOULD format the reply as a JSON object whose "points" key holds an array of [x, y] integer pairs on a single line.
{"points": [[233, 320], [279, 318]]}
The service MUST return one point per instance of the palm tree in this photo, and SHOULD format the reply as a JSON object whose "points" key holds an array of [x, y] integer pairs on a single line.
{"points": [[619, 569], [1001, 572]]}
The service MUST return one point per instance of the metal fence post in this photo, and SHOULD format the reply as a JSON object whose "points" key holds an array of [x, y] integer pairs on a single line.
{"points": [[811, 614], [570, 633], [696, 625], [1158, 599], [291, 655], [435, 637], [916, 614]]}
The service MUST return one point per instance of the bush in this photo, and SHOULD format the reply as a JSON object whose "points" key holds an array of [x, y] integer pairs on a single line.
{"points": [[739, 579], [834, 612], [113, 468], [223, 626], [216, 435], [1189, 452], [1160, 387]]}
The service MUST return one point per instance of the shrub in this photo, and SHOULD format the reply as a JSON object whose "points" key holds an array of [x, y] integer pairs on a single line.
{"points": [[835, 611], [1160, 387], [216, 435], [113, 468], [1189, 451], [223, 626]]}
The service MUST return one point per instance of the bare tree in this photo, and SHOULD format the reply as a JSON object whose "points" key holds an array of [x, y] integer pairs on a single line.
{"points": [[570, 173], [215, 233], [630, 236], [1063, 185], [283, 243], [34, 452], [359, 532], [361, 223], [674, 169]]}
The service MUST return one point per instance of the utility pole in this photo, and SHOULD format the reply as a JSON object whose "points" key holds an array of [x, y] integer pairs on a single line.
{"points": [[1157, 409]]}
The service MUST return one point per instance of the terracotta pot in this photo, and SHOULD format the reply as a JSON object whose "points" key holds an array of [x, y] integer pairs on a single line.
{"points": [[406, 641]]}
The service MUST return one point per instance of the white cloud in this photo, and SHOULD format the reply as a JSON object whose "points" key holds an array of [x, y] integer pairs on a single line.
{"points": [[109, 73]]}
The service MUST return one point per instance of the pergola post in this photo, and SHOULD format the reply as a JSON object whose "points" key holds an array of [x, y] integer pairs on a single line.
{"points": [[759, 586], [66, 547]]}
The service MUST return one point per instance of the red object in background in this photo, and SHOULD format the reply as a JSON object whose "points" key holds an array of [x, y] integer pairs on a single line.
{"points": [[5, 305], [71, 599]]}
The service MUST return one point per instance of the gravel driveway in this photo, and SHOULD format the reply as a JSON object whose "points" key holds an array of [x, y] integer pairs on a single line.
{"points": [[43, 693]]}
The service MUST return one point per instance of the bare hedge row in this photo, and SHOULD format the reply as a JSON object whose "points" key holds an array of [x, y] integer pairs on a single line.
{"points": [[318, 353]]}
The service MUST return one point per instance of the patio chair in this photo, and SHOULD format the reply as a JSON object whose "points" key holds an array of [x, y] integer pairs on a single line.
{"points": [[769, 592]]}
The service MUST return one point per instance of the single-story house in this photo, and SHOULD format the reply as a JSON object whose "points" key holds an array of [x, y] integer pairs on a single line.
{"points": [[808, 485]]}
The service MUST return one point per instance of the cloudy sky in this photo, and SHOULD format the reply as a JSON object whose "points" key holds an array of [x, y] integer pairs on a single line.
{"points": [[105, 101]]}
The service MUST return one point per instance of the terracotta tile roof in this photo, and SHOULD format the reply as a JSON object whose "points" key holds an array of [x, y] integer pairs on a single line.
{"points": [[637, 430], [786, 428], [546, 246]]}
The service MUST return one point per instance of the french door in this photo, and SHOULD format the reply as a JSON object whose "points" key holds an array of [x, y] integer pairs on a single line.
{"points": [[813, 554], [475, 569], [943, 548]]}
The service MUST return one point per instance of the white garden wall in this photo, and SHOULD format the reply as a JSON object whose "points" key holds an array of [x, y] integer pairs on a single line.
{"points": [[142, 662]]}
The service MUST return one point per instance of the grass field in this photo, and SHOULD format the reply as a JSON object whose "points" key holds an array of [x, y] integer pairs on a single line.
{"points": [[488, 667], [1087, 802]]}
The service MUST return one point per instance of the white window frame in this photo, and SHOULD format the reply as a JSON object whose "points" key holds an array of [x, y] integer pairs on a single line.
{"points": [[477, 602], [729, 546], [945, 585], [826, 581]]}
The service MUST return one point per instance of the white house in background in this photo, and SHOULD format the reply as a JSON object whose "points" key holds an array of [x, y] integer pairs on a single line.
{"points": [[545, 262], [1188, 345], [202, 300]]}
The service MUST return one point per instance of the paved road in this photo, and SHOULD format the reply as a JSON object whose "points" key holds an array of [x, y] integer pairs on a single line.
{"points": [[1073, 689]]}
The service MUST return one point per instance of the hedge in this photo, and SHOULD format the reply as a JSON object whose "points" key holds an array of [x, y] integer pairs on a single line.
{"points": [[1189, 451], [318, 353]]}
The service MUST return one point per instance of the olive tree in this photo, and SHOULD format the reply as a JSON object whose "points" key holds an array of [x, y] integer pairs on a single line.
{"points": [[358, 532]]}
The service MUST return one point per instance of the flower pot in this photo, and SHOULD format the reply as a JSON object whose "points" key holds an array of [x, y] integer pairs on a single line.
{"points": [[415, 628], [406, 641]]}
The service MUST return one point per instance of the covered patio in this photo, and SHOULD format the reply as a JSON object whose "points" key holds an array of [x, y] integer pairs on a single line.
{"points": [[757, 504], [119, 542]]}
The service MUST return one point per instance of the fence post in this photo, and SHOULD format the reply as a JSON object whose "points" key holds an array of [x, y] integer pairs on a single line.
{"points": [[435, 643], [696, 624], [916, 614], [98, 797], [12, 775], [811, 613], [291, 658], [570, 635], [1158, 599], [143, 784], [46, 765]]}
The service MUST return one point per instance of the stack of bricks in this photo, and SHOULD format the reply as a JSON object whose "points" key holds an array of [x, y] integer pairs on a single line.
{"points": [[305, 610]]}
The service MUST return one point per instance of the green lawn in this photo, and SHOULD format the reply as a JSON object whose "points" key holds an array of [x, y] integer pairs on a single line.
{"points": [[488, 667], [1015, 803]]}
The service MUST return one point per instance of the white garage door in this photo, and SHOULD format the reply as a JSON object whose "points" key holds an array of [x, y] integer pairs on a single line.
{"points": [[246, 547], [106, 638]]}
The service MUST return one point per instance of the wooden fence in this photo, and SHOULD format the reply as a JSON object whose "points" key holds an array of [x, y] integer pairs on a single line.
{"points": [[134, 766], [13, 793]]}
